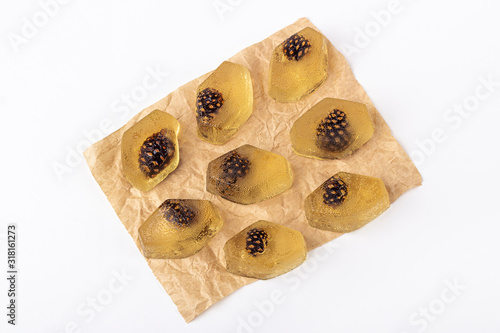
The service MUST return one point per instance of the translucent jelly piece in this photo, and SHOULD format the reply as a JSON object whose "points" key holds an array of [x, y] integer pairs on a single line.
{"points": [[346, 202], [248, 174], [298, 66], [179, 228], [150, 150], [265, 250], [333, 128], [224, 101]]}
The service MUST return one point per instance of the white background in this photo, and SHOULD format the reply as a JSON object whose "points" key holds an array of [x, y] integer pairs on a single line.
{"points": [[64, 83]]}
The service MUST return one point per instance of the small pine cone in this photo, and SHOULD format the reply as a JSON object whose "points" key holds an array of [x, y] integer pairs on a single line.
{"points": [[296, 47], [177, 213], [256, 241], [155, 154], [332, 133], [208, 103], [335, 191]]}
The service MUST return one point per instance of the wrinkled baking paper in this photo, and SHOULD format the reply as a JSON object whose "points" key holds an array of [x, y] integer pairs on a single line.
{"points": [[197, 282]]}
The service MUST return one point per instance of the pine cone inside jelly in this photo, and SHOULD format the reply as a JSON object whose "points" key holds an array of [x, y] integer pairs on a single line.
{"points": [[295, 47], [177, 213], [208, 103], [335, 191], [256, 241], [234, 167], [155, 154], [332, 133]]}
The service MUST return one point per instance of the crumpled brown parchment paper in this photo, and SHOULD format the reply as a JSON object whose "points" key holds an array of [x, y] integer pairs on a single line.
{"points": [[197, 282]]}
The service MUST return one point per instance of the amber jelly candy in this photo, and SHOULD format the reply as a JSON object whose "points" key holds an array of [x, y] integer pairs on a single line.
{"points": [[248, 175], [346, 202], [224, 101], [179, 228], [298, 66], [264, 250], [149, 150], [331, 129]]}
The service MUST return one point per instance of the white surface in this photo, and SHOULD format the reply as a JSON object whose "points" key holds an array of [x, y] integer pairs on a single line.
{"points": [[73, 74]]}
